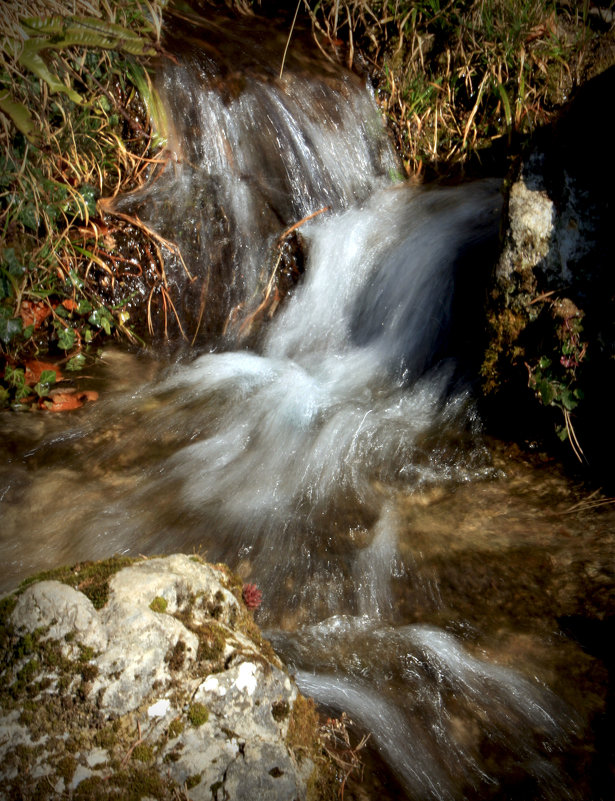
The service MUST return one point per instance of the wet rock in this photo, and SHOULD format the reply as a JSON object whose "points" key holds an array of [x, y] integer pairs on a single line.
{"points": [[167, 688]]}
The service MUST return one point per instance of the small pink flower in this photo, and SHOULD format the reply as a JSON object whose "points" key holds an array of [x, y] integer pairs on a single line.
{"points": [[252, 596]]}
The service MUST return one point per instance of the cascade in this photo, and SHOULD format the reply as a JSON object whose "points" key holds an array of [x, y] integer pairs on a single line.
{"points": [[288, 459]]}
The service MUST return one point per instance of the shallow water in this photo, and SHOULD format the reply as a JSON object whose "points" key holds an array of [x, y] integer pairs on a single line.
{"points": [[442, 609]]}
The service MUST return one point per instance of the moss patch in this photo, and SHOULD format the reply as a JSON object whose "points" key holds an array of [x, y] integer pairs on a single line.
{"points": [[91, 578], [198, 714], [159, 604]]}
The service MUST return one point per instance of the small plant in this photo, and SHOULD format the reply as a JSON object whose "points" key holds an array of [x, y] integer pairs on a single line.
{"points": [[554, 378], [252, 596]]}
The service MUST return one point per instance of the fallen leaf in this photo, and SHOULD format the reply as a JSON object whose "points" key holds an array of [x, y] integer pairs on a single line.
{"points": [[34, 370], [33, 313], [70, 305], [65, 401]]}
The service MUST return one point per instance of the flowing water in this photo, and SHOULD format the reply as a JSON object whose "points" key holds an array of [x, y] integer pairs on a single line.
{"points": [[451, 595]]}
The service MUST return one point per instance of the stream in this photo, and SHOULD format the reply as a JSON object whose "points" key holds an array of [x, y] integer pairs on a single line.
{"points": [[450, 593]]}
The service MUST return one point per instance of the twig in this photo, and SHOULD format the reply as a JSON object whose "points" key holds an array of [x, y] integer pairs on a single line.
{"points": [[292, 27], [572, 437]]}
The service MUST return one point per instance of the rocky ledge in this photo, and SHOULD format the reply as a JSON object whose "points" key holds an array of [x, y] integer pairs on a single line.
{"points": [[146, 679]]}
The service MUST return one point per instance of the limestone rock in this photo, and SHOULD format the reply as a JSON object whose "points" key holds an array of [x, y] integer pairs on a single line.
{"points": [[167, 689]]}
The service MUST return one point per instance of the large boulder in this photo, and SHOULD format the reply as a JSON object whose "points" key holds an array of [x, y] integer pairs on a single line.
{"points": [[165, 691], [551, 361]]}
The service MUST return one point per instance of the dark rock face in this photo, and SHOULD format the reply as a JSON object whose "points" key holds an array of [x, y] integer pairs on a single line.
{"points": [[551, 318]]}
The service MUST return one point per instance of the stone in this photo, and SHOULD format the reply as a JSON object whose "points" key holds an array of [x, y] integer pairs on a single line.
{"points": [[168, 687], [60, 610]]}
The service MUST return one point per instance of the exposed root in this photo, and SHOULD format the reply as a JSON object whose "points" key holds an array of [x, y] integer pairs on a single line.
{"points": [[270, 304]]}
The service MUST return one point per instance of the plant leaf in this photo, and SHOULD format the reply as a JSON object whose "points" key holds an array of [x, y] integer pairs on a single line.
{"points": [[21, 117]]}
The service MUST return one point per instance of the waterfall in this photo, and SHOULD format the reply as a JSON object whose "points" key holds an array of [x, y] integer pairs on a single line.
{"points": [[286, 459]]}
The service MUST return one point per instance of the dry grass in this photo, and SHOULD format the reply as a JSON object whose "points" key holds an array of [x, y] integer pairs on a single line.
{"points": [[454, 77]]}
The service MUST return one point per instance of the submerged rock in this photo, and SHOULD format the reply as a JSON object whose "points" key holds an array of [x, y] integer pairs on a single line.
{"points": [[167, 688]]}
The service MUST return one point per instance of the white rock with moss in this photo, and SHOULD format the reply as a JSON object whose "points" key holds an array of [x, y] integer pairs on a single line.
{"points": [[167, 688]]}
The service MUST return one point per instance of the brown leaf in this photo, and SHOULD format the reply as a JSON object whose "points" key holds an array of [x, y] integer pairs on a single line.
{"points": [[34, 369], [65, 401], [70, 305], [33, 313]]}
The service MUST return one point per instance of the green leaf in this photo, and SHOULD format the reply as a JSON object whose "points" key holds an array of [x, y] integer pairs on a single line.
{"points": [[75, 280], [31, 59], [15, 377], [84, 306], [88, 193], [13, 265], [546, 392], [66, 338], [102, 318], [568, 400], [6, 288], [10, 327], [47, 379], [77, 362], [88, 32], [21, 117]]}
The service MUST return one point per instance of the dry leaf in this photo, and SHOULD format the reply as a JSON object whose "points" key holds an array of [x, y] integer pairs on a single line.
{"points": [[33, 313], [34, 370], [65, 401]]}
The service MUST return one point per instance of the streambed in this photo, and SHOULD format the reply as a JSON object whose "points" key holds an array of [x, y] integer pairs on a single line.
{"points": [[464, 622]]}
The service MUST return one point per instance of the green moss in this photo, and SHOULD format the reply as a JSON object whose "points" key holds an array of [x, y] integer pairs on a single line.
{"points": [[106, 737], [198, 714], [280, 710], [159, 604], [66, 767], [89, 672], [91, 578], [192, 781], [27, 674], [85, 653], [143, 752], [303, 726], [176, 727], [90, 789], [248, 627]]}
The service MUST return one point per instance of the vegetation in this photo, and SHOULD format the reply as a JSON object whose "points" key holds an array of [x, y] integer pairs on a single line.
{"points": [[74, 126], [455, 77]]}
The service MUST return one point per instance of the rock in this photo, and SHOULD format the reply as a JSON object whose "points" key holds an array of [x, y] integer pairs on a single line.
{"points": [[166, 689], [552, 348]]}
